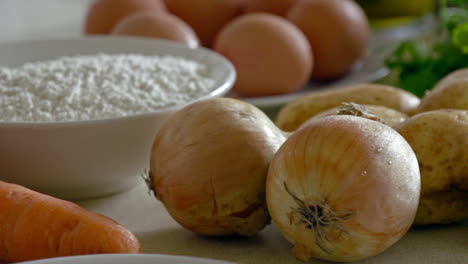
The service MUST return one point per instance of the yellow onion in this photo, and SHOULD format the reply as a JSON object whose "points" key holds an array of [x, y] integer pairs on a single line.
{"points": [[209, 163], [343, 188]]}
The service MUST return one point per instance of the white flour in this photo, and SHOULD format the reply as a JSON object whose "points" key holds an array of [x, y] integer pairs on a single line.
{"points": [[98, 86]]}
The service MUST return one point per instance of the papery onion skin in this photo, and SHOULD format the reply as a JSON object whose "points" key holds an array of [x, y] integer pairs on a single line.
{"points": [[361, 170], [209, 163]]}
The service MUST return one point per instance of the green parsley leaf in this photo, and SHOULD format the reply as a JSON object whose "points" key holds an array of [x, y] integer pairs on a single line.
{"points": [[460, 37], [420, 65]]}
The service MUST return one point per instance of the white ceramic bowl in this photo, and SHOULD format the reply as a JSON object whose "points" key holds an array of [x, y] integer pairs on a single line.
{"points": [[84, 159], [128, 259]]}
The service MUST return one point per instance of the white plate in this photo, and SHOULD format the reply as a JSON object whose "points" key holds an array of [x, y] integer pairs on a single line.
{"points": [[127, 259]]}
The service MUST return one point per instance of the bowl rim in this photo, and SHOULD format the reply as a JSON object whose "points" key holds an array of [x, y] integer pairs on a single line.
{"points": [[150, 257], [221, 90]]}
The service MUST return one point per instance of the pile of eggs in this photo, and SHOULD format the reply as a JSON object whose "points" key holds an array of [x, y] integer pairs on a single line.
{"points": [[276, 46]]}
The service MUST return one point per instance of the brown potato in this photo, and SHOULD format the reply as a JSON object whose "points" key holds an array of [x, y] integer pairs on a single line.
{"points": [[379, 113], [440, 140], [451, 92], [293, 114], [453, 76]]}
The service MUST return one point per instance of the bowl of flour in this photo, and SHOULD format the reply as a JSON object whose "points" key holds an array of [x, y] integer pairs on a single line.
{"points": [[78, 116]]}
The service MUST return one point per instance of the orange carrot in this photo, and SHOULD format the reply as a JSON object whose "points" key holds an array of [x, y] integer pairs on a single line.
{"points": [[35, 226]]}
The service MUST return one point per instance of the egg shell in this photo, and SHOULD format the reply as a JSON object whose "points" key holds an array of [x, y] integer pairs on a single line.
{"points": [[338, 31], [103, 15], [277, 7], [206, 17], [270, 54], [156, 24]]}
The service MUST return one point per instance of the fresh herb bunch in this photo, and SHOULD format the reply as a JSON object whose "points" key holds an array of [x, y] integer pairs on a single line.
{"points": [[420, 65]]}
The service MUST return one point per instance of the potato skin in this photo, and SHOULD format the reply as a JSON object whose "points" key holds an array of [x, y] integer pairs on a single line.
{"points": [[442, 208], [383, 114], [451, 77], [440, 140], [450, 93], [295, 113]]}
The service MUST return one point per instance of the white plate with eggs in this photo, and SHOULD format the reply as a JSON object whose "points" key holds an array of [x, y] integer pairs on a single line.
{"points": [[368, 70]]}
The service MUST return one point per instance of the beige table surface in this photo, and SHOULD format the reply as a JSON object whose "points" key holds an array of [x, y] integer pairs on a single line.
{"points": [[142, 213], [147, 218]]}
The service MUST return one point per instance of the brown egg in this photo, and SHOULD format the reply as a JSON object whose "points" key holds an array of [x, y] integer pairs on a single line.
{"points": [[270, 54], [102, 15], [338, 32], [156, 24], [278, 7], [206, 17]]}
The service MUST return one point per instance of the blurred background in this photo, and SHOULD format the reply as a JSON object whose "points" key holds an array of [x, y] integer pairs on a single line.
{"points": [[385, 13], [392, 21], [27, 19]]}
